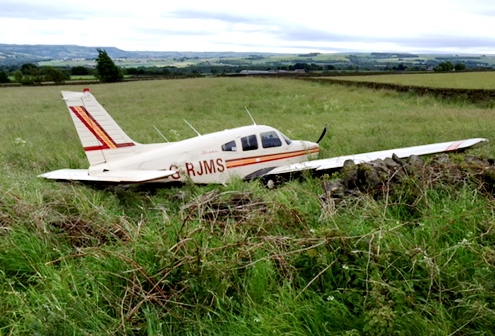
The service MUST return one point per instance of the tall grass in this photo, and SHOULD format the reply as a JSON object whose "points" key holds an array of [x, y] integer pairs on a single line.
{"points": [[359, 119], [240, 259]]}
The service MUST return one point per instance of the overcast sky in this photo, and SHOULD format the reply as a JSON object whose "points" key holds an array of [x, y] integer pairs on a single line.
{"points": [[416, 26]]}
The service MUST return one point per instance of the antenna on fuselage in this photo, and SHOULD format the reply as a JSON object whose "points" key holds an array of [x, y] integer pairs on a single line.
{"points": [[163, 136], [250, 116], [188, 124]]}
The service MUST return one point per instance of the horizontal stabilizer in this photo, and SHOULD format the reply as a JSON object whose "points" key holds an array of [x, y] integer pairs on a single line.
{"points": [[116, 176], [338, 162]]}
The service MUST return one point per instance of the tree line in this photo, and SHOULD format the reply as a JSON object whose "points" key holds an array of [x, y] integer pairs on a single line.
{"points": [[106, 71], [31, 74]]}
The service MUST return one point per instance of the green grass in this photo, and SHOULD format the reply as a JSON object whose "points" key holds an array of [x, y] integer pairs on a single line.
{"points": [[360, 120], [460, 80], [84, 261]]}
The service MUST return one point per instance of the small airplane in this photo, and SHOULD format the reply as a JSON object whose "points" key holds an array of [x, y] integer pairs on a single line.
{"points": [[247, 152]]}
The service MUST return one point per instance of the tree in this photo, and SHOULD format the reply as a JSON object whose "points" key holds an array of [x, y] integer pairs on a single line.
{"points": [[4, 78], [55, 75], [31, 74], [106, 70], [444, 67], [79, 71], [30, 69], [460, 67], [18, 76]]}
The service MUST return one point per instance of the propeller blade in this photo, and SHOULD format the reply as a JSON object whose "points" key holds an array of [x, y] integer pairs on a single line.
{"points": [[322, 133]]}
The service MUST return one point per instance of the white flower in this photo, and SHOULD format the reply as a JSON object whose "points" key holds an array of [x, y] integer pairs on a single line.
{"points": [[20, 141], [175, 133]]}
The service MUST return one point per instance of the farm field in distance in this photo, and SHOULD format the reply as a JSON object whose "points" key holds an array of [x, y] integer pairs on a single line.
{"points": [[459, 80], [241, 259]]}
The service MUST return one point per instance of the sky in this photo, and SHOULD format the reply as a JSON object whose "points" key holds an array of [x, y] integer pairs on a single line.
{"points": [[417, 26]]}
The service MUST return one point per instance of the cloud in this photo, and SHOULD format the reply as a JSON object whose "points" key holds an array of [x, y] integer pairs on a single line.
{"points": [[260, 25], [456, 44], [35, 11], [62, 10], [194, 14]]}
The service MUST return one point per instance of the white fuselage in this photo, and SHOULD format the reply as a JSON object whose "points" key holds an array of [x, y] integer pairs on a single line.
{"points": [[217, 157]]}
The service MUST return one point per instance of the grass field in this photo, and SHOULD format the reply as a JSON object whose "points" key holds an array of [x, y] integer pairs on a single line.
{"points": [[460, 80], [84, 261]]}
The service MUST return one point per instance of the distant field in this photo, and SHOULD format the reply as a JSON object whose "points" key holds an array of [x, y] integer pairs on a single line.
{"points": [[462, 80]]}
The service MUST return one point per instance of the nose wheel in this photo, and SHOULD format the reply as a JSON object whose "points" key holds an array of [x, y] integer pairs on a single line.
{"points": [[272, 181], [269, 183]]}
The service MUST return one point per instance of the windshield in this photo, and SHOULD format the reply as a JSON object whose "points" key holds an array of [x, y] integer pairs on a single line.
{"points": [[287, 140]]}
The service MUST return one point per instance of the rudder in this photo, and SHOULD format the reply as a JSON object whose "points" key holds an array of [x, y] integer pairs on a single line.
{"points": [[102, 138]]}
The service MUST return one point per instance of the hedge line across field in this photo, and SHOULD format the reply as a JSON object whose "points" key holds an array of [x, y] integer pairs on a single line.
{"points": [[483, 96]]}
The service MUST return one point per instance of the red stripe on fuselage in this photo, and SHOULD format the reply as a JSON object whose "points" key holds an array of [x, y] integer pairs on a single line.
{"points": [[235, 163]]}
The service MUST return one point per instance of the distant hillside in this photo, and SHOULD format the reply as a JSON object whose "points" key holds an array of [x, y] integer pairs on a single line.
{"points": [[17, 54], [13, 56]]}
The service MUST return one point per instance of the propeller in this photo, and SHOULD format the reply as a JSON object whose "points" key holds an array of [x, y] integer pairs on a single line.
{"points": [[322, 133]]}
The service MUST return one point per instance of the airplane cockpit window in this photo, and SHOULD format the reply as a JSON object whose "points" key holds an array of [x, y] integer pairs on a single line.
{"points": [[229, 146], [249, 143], [287, 140], [270, 139]]}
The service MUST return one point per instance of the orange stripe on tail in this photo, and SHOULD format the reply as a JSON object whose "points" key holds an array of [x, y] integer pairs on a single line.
{"points": [[95, 128]]}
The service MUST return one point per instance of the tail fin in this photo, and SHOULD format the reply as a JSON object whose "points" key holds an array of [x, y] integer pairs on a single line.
{"points": [[102, 138]]}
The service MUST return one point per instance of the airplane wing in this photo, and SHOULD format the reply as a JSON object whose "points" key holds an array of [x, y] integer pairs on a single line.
{"points": [[116, 176], [338, 162]]}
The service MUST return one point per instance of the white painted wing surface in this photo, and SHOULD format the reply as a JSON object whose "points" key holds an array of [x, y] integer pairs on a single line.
{"points": [[129, 176], [338, 162]]}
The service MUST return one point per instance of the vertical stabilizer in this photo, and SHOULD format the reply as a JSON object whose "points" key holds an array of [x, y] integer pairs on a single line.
{"points": [[102, 138]]}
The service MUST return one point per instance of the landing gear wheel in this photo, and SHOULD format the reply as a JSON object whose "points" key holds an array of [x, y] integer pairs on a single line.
{"points": [[270, 184], [271, 181]]}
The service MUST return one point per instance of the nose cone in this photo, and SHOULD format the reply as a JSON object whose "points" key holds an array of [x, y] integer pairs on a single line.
{"points": [[312, 148]]}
